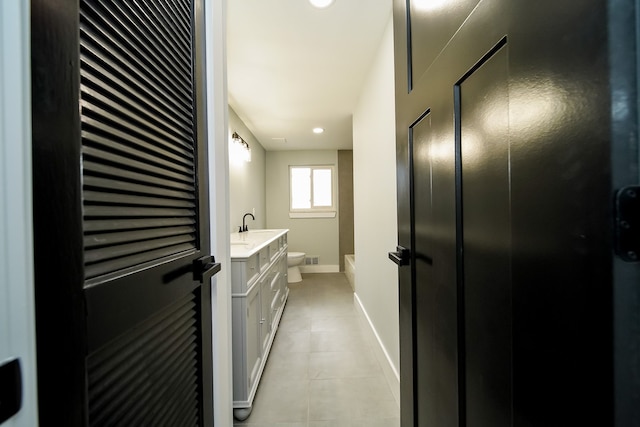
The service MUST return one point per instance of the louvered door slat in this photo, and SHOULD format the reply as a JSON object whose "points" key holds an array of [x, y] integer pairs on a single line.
{"points": [[112, 20], [116, 400], [126, 163], [107, 362], [96, 197], [105, 21], [118, 140], [180, 24], [176, 356], [119, 99], [97, 112], [168, 23], [113, 185], [178, 411], [128, 212], [108, 121], [122, 402], [111, 108], [134, 148], [108, 266], [117, 251], [134, 224], [190, 420], [168, 58], [132, 382], [107, 170], [116, 64], [112, 50], [182, 12], [141, 408], [91, 241], [184, 391], [135, 382], [176, 55], [158, 105]]}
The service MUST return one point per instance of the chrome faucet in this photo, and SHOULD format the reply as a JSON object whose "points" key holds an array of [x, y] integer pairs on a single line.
{"points": [[244, 226]]}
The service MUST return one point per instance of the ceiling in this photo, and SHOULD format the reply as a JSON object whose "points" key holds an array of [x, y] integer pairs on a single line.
{"points": [[292, 67]]}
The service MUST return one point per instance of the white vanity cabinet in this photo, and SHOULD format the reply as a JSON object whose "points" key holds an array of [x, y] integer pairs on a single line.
{"points": [[259, 294]]}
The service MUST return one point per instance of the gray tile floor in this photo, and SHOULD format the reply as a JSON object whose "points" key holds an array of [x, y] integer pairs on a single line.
{"points": [[322, 371]]}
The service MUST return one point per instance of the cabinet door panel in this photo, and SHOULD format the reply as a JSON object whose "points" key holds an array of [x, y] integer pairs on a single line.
{"points": [[253, 328], [265, 320]]}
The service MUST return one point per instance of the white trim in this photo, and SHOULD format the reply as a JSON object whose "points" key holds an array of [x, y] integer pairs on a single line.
{"points": [[312, 214], [17, 321], [390, 370], [321, 268], [315, 209], [218, 150]]}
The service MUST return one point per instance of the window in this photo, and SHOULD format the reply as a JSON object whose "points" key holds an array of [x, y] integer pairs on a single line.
{"points": [[311, 192]]}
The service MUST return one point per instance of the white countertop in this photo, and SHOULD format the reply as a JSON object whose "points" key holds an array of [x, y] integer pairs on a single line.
{"points": [[247, 243]]}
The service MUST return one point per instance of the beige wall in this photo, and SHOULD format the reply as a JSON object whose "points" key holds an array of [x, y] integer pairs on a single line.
{"points": [[314, 236], [375, 198], [246, 180]]}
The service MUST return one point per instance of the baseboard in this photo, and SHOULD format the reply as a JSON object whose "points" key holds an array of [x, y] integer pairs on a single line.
{"points": [[320, 268], [390, 371]]}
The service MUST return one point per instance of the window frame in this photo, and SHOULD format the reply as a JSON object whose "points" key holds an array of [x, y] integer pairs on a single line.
{"points": [[314, 212]]}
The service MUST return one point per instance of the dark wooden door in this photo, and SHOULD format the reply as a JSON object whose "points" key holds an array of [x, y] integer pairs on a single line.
{"points": [[511, 147], [121, 214]]}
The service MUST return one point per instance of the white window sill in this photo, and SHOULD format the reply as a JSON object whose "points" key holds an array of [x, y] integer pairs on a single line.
{"points": [[312, 214]]}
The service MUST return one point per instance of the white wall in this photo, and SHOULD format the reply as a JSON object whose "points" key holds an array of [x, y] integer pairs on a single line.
{"points": [[246, 180], [314, 236], [374, 180], [17, 313]]}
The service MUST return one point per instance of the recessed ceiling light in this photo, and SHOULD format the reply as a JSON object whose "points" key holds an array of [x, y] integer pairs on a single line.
{"points": [[318, 130], [321, 4]]}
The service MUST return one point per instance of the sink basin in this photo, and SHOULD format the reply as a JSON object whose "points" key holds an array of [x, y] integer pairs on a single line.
{"points": [[246, 244], [242, 244]]}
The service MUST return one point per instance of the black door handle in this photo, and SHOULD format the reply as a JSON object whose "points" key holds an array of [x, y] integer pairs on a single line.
{"points": [[402, 256], [205, 267]]}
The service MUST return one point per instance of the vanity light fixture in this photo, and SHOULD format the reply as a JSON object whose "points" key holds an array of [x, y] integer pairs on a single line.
{"points": [[321, 4], [241, 147], [318, 130]]}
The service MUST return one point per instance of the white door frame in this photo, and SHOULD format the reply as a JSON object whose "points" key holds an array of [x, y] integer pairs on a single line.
{"points": [[17, 318], [217, 137]]}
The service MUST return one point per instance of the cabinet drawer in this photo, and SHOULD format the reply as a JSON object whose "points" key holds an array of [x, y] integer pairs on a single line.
{"points": [[275, 303], [275, 281], [252, 270], [263, 258], [274, 248]]}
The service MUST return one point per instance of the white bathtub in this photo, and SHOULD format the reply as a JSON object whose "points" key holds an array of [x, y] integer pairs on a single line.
{"points": [[350, 269]]}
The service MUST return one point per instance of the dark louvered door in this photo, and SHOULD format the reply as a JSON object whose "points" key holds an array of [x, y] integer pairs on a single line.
{"points": [[140, 217]]}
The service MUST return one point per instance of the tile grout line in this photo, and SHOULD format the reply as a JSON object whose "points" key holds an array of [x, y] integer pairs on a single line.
{"points": [[309, 305]]}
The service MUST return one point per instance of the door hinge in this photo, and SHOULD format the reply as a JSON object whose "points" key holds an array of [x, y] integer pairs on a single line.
{"points": [[627, 226]]}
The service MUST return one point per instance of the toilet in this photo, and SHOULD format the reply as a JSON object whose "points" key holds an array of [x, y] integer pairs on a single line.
{"points": [[294, 259]]}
